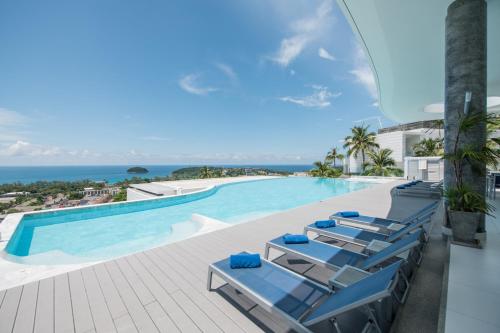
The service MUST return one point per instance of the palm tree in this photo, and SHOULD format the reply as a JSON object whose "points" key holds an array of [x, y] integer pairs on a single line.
{"points": [[334, 155], [382, 164], [429, 147], [438, 124], [361, 141], [205, 172]]}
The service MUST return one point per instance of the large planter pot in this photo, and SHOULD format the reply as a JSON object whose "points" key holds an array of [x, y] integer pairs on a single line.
{"points": [[464, 225]]}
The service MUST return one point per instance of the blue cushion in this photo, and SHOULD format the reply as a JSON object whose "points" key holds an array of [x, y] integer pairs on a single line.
{"points": [[295, 239], [245, 260], [401, 187], [349, 214], [325, 224]]}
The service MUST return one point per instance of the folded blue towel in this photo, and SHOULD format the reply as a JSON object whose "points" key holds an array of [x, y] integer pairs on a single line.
{"points": [[325, 224], [348, 214], [295, 239], [244, 260], [400, 187]]}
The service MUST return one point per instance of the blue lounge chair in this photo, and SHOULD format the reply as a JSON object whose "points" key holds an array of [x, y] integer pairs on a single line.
{"points": [[302, 304], [334, 257], [363, 237], [383, 224]]}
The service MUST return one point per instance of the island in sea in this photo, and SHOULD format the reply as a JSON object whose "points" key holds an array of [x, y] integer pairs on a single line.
{"points": [[137, 169], [40, 195]]}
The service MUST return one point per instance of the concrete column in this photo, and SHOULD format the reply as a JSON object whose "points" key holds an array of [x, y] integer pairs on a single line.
{"points": [[465, 70]]}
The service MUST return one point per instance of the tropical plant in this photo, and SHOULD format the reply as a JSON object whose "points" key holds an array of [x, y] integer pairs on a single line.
{"points": [[429, 147], [382, 164], [324, 169], [333, 155], [437, 125], [493, 142], [205, 172], [460, 196], [360, 141]]}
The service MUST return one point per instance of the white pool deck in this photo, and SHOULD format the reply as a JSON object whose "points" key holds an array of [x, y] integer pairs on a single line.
{"points": [[164, 289], [473, 297]]}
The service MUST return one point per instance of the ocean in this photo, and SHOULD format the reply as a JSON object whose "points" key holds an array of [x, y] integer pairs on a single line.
{"points": [[109, 173]]}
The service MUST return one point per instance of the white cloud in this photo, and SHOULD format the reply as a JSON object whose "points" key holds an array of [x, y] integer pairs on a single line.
{"points": [[190, 83], [363, 73], [304, 31], [320, 98], [325, 54], [227, 70], [23, 148]]}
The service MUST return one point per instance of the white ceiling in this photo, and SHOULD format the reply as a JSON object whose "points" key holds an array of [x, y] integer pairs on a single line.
{"points": [[404, 41]]}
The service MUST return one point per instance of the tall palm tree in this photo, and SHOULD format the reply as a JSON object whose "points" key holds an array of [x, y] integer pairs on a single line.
{"points": [[334, 155], [205, 172], [382, 164], [360, 141], [437, 124], [429, 147]]}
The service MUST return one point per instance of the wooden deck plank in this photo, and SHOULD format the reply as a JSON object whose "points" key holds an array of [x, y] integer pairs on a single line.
{"points": [[44, 316], [82, 316], [63, 309], [152, 277], [98, 307], [125, 324], [115, 303], [135, 282], [9, 307], [25, 318], [134, 306], [161, 318]]}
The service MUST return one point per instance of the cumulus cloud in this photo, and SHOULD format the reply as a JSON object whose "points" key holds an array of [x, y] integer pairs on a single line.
{"points": [[363, 74], [190, 83], [320, 98], [23, 148], [325, 54], [303, 32]]}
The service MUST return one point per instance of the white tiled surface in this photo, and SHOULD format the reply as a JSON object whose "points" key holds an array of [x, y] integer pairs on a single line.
{"points": [[473, 303]]}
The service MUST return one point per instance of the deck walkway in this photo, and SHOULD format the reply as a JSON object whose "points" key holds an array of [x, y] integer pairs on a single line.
{"points": [[163, 289]]}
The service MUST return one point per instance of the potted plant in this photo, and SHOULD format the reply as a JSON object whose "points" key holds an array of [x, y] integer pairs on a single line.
{"points": [[466, 206]]}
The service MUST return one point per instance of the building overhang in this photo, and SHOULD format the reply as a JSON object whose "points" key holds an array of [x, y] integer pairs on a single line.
{"points": [[405, 44]]}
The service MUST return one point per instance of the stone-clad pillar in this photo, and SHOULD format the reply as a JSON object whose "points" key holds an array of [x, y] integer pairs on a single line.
{"points": [[465, 70]]}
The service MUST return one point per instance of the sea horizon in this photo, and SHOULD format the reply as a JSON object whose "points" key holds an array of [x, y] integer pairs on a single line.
{"points": [[113, 173]]}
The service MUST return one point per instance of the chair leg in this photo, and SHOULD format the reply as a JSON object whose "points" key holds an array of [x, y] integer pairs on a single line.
{"points": [[372, 321], [209, 279], [266, 251], [335, 325]]}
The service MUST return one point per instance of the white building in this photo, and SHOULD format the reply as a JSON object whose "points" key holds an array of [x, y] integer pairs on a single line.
{"points": [[401, 140]]}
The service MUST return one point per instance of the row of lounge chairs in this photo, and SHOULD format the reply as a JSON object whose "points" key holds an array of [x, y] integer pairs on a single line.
{"points": [[420, 188], [364, 293]]}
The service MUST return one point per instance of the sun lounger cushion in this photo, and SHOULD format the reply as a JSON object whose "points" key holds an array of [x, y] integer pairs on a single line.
{"points": [[325, 224], [295, 239], [245, 260], [348, 214]]}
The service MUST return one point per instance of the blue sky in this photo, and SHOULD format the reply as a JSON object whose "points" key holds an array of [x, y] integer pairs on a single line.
{"points": [[169, 82]]}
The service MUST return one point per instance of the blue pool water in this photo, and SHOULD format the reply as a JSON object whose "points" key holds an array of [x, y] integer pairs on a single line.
{"points": [[114, 230]]}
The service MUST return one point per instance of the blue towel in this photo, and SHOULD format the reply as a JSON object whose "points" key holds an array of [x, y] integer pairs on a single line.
{"points": [[401, 187], [349, 214], [244, 260], [295, 239], [325, 224]]}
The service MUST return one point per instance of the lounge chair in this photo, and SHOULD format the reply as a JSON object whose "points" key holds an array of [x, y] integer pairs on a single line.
{"points": [[334, 257], [364, 237], [304, 305], [377, 223]]}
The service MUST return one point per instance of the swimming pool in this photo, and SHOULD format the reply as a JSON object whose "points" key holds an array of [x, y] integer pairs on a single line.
{"points": [[108, 231]]}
